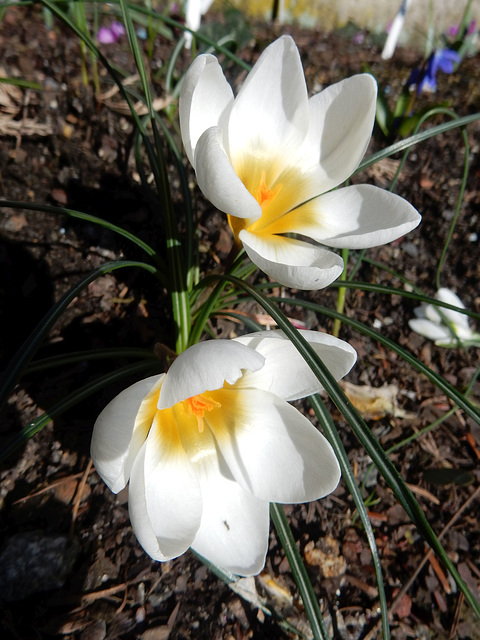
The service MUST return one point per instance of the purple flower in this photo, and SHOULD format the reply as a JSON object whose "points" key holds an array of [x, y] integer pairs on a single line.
{"points": [[472, 28], [108, 35], [453, 30], [359, 37]]}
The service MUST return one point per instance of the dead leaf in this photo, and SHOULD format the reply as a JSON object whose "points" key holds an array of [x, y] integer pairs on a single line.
{"points": [[122, 107], [329, 560], [280, 593], [59, 196], [375, 402], [156, 633], [25, 127], [10, 97], [246, 589], [404, 606], [16, 222], [426, 182]]}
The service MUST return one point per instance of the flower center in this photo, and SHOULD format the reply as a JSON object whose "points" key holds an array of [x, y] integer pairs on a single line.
{"points": [[264, 196], [197, 405]]}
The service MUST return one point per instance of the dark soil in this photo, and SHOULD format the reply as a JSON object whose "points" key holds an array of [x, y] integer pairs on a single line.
{"points": [[71, 566]]}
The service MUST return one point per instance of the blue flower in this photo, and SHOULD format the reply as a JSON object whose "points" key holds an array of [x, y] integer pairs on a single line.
{"points": [[425, 79]]}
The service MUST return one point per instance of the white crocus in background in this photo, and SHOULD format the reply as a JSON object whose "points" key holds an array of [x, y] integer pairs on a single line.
{"points": [[270, 157], [206, 446], [442, 325], [194, 10]]}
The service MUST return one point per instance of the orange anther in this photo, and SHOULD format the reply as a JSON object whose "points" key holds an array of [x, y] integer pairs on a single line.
{"points": [[197, 405]]}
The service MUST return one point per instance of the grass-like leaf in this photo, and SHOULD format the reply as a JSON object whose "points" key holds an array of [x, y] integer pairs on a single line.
{"points": [[178, 286], [361, 430], [299, 573], [283, 530], [333, 437], [68, 359], [449, 390], [34, 340], [73, 399], [401, 145], [393, 291], [24, 84], [72, 213]]}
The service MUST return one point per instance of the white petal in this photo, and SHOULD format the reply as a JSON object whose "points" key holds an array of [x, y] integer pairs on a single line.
{"points": [[341, 123], [194, 11], [431, 313], [193, 14], [355, 217], [164, 500], [292, 263], [271, 449], [285, 372], [115, 441], [218, 180], [188, 39], [234, 529], [271, 109], [460, 320], [449, 297], [420, 312], [204, 96], [206, 366], [429, 329], [394, 33]]}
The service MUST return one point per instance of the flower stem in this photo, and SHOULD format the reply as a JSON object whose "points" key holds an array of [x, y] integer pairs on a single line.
{"points": [[342, 291]]}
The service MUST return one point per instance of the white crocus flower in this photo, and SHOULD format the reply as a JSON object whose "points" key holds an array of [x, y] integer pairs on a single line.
{"points": [[206, 446], [270, 158], [442, 325], [194, 10]]}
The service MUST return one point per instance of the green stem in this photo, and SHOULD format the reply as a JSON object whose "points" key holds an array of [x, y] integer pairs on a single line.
{"points": [[341, 294], [178, 288], [458, 205], [208, 307], [81, 20]]}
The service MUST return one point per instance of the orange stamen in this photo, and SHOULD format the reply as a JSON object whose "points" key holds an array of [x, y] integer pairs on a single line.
{"points": [[263, 194], [197, 405]]}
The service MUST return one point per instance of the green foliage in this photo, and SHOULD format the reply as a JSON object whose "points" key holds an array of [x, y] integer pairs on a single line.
{"points": [[233, 31], [196, 301]]}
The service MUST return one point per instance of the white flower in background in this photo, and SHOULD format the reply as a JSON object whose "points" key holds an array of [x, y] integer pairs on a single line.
{"points": [[270, 158], [206, 446], [442, 325], [395, 30], [194, 10]]}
